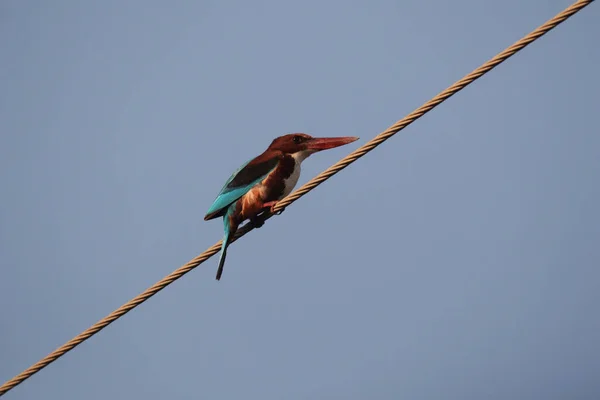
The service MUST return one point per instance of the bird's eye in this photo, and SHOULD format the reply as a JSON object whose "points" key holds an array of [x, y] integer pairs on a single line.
{"points": [[297, 139]]}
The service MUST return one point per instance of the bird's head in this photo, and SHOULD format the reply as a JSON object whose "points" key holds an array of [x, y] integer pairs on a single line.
{"points": [[303, 145]]}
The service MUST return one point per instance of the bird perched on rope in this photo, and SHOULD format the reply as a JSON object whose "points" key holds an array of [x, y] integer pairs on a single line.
{"points": [[260, 183]]}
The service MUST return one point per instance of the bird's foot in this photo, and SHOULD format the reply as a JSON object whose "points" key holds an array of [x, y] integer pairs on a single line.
{"points": [[271, 206], [257, 222]]}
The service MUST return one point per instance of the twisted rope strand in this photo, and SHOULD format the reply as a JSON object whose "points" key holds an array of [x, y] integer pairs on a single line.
{"points": [[310, 185], [431, 104]]}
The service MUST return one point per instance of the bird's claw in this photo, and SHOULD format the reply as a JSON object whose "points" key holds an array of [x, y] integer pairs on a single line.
{"points": [[277, 212], [257, 222], [271, 207]]}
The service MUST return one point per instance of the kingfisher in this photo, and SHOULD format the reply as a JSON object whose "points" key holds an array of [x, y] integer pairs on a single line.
{"points": [[260, 183]]}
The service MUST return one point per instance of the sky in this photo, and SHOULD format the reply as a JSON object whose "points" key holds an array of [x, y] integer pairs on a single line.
{"points": [[459, 260]]}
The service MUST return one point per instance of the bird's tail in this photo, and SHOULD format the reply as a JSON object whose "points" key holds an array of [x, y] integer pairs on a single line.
{"points": [[230, 227], [223, 254]]}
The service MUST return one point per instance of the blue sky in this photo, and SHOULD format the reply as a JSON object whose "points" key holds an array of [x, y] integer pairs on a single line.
{"points": [[459, 260]]}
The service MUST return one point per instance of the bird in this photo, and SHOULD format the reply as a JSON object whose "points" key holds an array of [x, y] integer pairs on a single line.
{"points": [[257, 185]]}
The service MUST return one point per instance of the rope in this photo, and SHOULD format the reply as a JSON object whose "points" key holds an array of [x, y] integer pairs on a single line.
{"points": [[313, 183]]}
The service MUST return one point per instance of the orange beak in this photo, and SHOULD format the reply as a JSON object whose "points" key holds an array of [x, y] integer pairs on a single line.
{"points": [[318, 144]]}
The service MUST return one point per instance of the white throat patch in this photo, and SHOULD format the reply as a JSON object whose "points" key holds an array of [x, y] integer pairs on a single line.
{"points": [[291, 181]]}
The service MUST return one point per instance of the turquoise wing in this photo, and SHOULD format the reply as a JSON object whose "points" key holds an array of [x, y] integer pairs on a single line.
{"points": [[240, 183]]}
